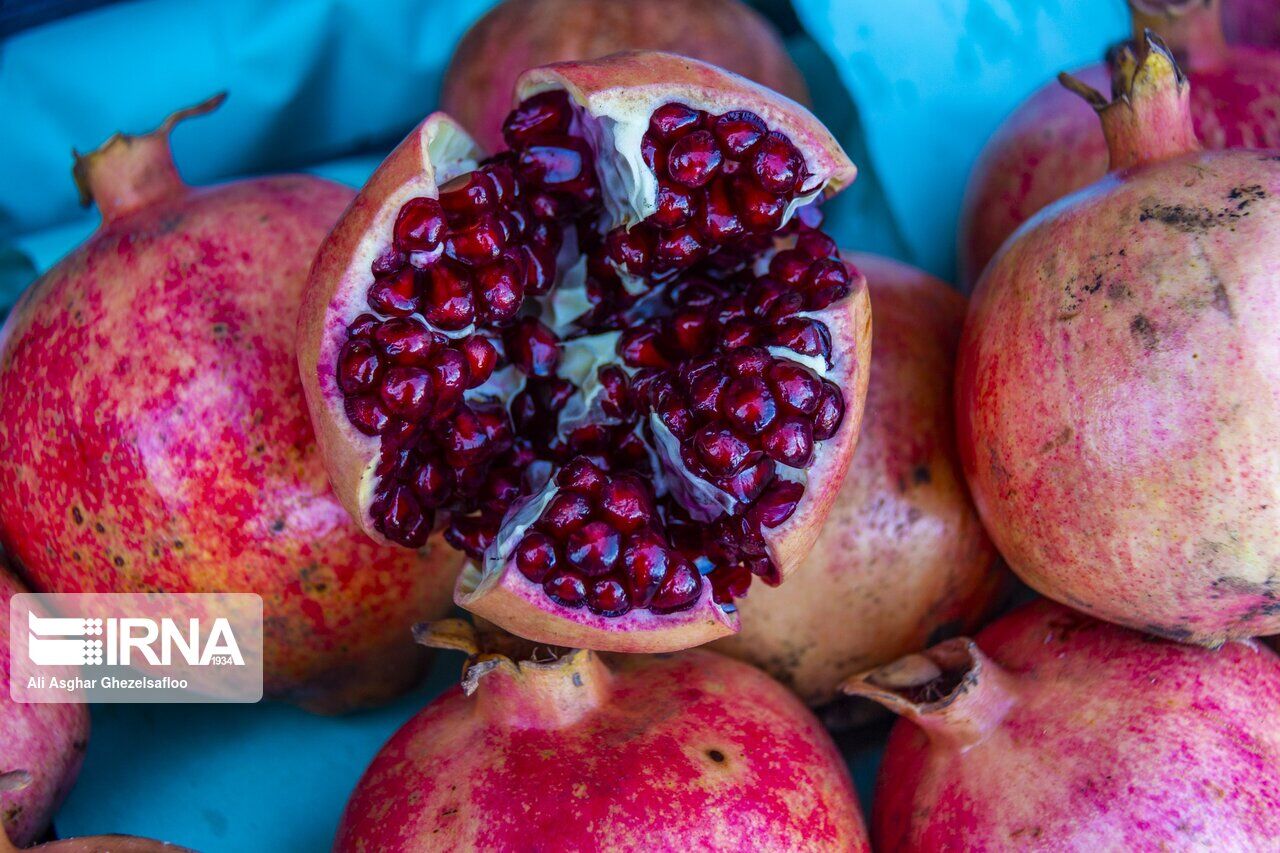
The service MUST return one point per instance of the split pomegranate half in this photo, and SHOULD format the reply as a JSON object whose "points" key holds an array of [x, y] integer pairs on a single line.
{"points": [[617, 362]]}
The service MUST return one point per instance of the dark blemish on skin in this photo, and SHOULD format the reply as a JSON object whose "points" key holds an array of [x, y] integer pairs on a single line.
{"points": [[914, 515], [920, 475], [178, 544], [1201, 219], [1222, 302], [119, 561], [76, 515], [98, 527], [1144, 332], [449, 812], [219, 329], [277, 525], [1096, 286], [716, 755], [75, 555], [1118, 291], [1064, 435], [577, 679]]}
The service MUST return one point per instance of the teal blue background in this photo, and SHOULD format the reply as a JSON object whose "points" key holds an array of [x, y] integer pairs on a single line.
{"points": [[911, 87]]}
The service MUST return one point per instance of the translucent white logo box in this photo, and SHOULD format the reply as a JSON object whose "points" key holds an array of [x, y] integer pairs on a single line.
{"points": [[135, 647]]}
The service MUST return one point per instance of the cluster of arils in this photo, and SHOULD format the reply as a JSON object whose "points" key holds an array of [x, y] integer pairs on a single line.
{"points": [[702, 397]]}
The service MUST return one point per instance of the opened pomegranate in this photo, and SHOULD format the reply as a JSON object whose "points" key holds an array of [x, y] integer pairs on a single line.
{"points": [[553, 749], [1255, 22], [902, 556], [1118, 385], [517, 35], [41, 746], [618, 362], [155, 437], [1054, 731], [1052, 146]]}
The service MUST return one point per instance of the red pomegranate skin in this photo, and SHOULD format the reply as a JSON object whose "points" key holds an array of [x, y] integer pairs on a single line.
{"points": [[691, 751], [902, 555], [155, 435], [1079, 735], [516, 35], [1255, 22], [46, 740], [1052, 145]]}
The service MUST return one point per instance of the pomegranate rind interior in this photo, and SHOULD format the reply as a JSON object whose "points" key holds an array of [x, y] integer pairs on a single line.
{"points": [[435, 151]]}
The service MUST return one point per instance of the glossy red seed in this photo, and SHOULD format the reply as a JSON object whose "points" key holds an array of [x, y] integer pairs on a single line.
{"points": [[738, 333], [645, 563], [449, 378], [581, 475], [561, 164], [467, 440], [790, 266], [533, 347], [420, 225], [694, 159], [626, 503], [402, 518], [615, 397], [804, 335], [363, 326], [795, 386], [675, 206], [471, 535], [566, 588], [390, 261], [761, 211], [705, 392], [500, 290], [448, 304], [367, 414], [467, 197], [676, 416], [721, 452], [479, 243], [406, 392], [778, 503], [608, 597], [689, 333], [433, 483], [404, 341], [536, 556], [679, 247], [539, 269], [776, 164], [830, 412], [565, 513], [679, 590], [720, 221], [358, 367], [482, 358], [638, 347], [671, 120], [786, 306], [593, 549], [396, 295], [737, 131], [827, 274], [750, 482], [544, 114], [748, 361], [631, 249], [790, 441], [749, 406], [815, 244]]}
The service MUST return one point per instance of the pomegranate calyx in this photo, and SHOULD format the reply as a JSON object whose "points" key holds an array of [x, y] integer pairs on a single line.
{"points": [[128, 172], [953, 691], [1191, 28], [1149, 117]]}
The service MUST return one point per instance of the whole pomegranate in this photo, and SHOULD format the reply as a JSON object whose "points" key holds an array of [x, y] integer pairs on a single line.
{"points": [[41, 746], [679, 752], [902, 555], [1118, 384], [1052, 146], [517, 35], [1054, 731], [1255, 22], [100, 844], [618, 361], [155, 436]]}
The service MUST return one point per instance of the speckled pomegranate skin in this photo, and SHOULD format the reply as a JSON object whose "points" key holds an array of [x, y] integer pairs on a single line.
{"points": [[902, 554], [155, 437], [1052, 145], [1118, 393], [479, 84], [46, 740], [691, 751], [1114, 741]]}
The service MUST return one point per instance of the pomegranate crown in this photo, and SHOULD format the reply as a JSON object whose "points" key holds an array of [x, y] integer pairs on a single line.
{"points": [[489, 648], [1148, 117]]}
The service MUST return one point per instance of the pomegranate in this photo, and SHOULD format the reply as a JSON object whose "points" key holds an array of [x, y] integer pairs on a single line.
{"points": [[1118, 384], [100, 844], [155, 436], [678, 752], [618, 362], [1057, 732], [519, 34], [902, 556], [1051, 146], [41, 746], [1255, 22]]}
